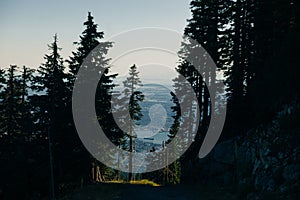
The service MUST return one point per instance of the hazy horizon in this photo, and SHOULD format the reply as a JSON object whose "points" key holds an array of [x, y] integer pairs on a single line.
{"points": [[28, 27]]}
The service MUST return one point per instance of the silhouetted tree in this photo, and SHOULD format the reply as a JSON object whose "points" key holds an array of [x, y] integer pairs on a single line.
{"points": [[26, 119], [175, 167], [89, 40], [202, 31], [50, 98], [11, 104], [133, 97]]}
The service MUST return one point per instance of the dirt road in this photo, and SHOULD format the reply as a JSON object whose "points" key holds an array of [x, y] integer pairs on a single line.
{"points": [[145, 192]]}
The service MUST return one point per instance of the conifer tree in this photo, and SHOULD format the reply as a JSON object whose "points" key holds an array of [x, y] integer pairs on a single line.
{"points": [[89, 40], [51, 88], [26, 119], [132, 96], [202, 31], [49, 101], [10, 104], [175, 167]]}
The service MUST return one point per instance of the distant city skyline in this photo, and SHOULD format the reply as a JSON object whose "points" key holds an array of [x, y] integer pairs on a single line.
{"points": [[28, 26]]}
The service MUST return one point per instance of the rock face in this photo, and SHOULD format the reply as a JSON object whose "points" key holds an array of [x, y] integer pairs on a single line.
{"points": [[291, 172], [266, 159]]}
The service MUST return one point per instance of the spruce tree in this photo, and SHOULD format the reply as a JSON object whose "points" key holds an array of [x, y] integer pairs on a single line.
{"points": [[239, 73], [90, 39], [51, 89], [175, 167], [132, 96], [26, 119], [50, 106], [11, 104], [202, 31]]}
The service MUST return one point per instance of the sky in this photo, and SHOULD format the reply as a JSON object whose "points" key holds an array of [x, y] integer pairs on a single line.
{"points": [[26, 27]]}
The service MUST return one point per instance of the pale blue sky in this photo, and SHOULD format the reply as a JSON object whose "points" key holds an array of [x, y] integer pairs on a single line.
{"points": [[26, 27]]}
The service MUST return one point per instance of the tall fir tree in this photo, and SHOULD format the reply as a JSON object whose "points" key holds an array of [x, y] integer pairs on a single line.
{"points": [[26, 119], [51, 89], [239, 73], [11, 104], [202, 31], [89, 40], [133, 97], [175, 167], [50, 99]]}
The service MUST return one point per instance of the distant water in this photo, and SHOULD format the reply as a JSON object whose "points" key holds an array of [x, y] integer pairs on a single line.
{"points": [[154, 94], [156, 139]]}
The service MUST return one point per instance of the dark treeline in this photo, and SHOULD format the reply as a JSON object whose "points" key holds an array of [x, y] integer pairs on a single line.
{"points": [[36, 118], [40, 148], [254, 44]]}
